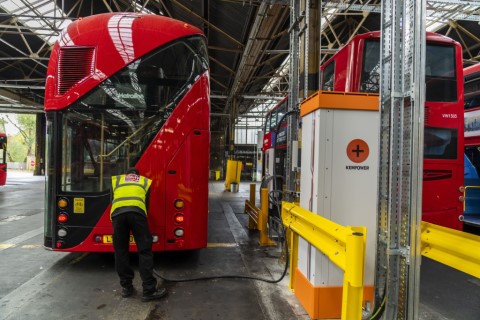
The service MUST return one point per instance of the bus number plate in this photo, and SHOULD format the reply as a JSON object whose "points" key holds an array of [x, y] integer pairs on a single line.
{"points": [[109, 240]]}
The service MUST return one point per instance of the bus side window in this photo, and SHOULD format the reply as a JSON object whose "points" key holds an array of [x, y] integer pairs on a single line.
{"points": [[469, 170], [370, 78], [273, 120], [328, 77], [267, 124]]}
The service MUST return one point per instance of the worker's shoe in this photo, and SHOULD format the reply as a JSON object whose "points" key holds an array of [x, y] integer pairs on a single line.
{"points": [[155, 295], [127, 291]]}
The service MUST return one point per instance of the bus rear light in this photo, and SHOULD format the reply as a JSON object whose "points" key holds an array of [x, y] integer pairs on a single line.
{"points": [[179, 232], [461, 198], [62, 232], [179, 218], [179, 204], [461, 218], [59, 244], [98, 238], [461, 189], [155, 238], [62, 203], [62, 218]]}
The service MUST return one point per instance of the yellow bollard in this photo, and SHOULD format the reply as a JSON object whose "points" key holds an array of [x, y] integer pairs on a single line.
{"points": [[353, 279], [234, 171], [252, 193], [262, 220], [251, 223]]}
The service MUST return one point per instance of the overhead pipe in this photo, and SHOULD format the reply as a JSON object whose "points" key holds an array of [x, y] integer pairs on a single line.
{"points": [[246, 53]]}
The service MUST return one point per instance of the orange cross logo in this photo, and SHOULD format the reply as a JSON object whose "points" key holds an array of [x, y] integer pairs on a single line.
{"points": [[357, 150]]}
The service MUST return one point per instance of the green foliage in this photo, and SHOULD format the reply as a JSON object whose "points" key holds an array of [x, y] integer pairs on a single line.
{"points": [[16, 149], [26, 126], [2, 124], [21, 144]]}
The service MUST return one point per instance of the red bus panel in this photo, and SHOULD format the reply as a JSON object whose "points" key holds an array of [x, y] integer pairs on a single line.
{"points": [[3, 159]]}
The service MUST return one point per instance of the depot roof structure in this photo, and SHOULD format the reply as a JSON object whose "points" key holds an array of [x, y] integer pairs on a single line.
{"points": [[248, 42]]}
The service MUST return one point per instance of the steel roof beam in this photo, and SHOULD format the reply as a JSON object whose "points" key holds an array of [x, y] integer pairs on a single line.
{"points": [[432, 11], [232, 39], [265, 24]]}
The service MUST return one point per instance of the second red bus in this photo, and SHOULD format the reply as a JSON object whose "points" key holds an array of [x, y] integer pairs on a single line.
{"points": [[356, 68]]}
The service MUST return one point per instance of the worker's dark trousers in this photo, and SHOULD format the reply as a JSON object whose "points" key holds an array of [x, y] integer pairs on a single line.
{"points": [[137, 223]]}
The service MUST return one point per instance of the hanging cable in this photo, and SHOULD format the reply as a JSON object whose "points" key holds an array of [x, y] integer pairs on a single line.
{"points": [[377, 313]]}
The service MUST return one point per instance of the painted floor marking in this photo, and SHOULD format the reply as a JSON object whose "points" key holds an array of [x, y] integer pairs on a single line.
{"points": [[11, 218], [21, 238], [30, 246], [221, 245]]}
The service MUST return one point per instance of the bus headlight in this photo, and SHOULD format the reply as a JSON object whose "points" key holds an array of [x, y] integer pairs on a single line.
{"points": [[62, 232], [179, 232], [155, 238]]}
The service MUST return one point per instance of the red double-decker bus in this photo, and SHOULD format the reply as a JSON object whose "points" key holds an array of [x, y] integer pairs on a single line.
{"points": [[3, 159], [356, 68], [126, 90], [275, 141]]}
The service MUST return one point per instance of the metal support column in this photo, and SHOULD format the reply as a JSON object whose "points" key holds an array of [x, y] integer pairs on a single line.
{"points": [[293, 99], [401, 157], [231, 128], [40, 133]]}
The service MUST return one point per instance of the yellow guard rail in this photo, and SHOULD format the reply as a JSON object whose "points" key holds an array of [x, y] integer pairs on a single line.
{"points": [[344, 246], [456, 249]]}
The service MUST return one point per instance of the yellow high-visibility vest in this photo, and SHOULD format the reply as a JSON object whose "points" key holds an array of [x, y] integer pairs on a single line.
{"points": [[129, 190]]}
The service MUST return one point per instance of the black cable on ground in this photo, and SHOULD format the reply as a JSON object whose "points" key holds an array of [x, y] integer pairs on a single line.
{"points": [[233, 276], [274, 199]]}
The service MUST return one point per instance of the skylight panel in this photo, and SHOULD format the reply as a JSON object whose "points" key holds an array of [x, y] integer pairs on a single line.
{"points": [[43, 17]]}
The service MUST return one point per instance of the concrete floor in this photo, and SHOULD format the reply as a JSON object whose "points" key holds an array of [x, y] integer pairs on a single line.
{"points": [[39, 284]]}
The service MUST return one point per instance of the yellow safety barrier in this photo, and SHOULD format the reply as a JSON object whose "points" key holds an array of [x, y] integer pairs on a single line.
{"points": [[456, 249], [258, 217], [344, 246]]}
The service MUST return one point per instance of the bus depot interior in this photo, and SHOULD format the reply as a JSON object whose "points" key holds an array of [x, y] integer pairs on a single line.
{"points": [[310, 159]]}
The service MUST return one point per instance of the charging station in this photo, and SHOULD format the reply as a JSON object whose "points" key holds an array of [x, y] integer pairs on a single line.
{"points": [[339, 161]]}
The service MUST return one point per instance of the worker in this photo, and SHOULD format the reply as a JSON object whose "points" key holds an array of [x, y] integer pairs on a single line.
{"points": [[130, 199]]}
